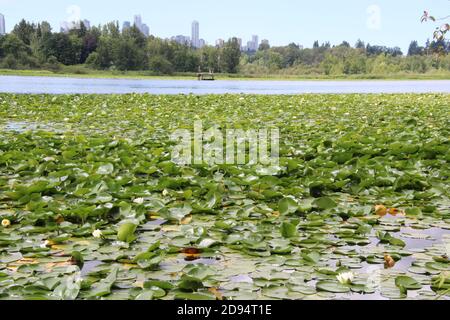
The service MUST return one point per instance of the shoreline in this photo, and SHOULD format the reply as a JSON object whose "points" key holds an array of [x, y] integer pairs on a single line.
{"points": [[220, 77]]}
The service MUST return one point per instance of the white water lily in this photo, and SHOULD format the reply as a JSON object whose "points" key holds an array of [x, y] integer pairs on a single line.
{"points": [[139, 200], [165, 193], [47, 198], [6, 223], [108, 205], [345, 277], [97, 234], [45, 244]]}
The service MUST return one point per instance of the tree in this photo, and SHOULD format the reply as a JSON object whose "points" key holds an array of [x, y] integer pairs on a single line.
{"points": [[264, 46], [24, 31], [90, 44], [160, 65], [128, 56], [231, 56], [360, 44], [12, 45], [66, 48], [415, 49]]}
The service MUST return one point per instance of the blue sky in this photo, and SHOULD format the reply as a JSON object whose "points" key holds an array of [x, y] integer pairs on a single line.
{"points": [[386, 22]]}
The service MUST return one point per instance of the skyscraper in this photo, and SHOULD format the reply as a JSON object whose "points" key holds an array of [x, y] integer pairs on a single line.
{"points": [[195, 34], [145, 30], [239, 40], [138, 22], [126, 25], [255, 40], [2, 25], [220, 43], [184, 40], [141, 26]]}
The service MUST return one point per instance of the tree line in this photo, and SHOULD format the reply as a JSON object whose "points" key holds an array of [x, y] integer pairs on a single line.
{"points": [[35, 46]]}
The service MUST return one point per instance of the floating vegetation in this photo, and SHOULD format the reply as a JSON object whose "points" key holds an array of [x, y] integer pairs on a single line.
{"points": [[92, 207]]}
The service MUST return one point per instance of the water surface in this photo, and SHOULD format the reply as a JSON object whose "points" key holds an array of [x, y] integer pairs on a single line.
{"points": [[61, 85]]}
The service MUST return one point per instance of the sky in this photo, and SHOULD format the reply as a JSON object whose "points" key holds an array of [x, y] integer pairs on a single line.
{"points": [[383, 22]]}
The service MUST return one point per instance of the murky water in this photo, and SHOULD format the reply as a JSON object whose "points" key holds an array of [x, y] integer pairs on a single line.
{"points": [[55, 85]]}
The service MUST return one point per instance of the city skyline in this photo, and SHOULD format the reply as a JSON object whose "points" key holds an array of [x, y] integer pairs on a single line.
{"points": [[379, 22]]}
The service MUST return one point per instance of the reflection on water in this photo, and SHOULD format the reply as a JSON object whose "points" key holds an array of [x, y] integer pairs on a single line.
{"points": [[243, 278], [55, 85], [22, 126], [89, 266]]}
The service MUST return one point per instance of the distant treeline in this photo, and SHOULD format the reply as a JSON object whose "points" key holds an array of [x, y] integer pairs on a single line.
{"points": [[35, 46]]}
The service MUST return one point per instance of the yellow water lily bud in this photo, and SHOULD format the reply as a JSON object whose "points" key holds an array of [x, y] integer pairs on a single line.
{"points": [[389, 262], [380, 210]]}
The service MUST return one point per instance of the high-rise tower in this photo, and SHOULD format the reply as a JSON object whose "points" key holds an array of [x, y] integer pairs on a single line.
{"points": [[2, 25], [195, 34]]}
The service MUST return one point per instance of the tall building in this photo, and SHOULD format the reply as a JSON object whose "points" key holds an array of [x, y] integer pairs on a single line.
{"points": [[87, 24], [195, 34], [2, 25], [141, 26], [239, 40], [253, 45], [126, 25], [220, 43], [184, 40], [138, 21], [145, 30]]}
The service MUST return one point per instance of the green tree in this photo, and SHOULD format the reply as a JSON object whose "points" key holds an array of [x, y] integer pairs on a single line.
{"points": [[415, 49], [24, 31], [128, 56], [14, 46], [161, 65], [231, 56]]}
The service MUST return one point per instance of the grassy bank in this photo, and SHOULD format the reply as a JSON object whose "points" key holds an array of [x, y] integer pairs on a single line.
{"points": [[82, 72]]}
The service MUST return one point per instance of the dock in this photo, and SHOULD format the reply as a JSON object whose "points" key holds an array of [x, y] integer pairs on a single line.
{"points": [[205, 76]]}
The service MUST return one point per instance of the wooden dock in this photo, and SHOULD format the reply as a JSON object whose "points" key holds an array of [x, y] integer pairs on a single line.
{"points": [[205, 76]]}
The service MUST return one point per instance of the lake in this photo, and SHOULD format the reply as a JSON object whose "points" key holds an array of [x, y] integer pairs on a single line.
{"points": [[61, 85]]}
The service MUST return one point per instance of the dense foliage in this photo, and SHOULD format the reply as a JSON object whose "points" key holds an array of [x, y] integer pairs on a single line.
{"points": [[107, 48], [92, 207]]}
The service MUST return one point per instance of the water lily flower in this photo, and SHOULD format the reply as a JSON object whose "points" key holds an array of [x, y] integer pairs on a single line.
{"points": [[45, 244], [97, 234], [47, 198], [139, 200], [345, 277], [165, 193], [6, 223], [108, 205]]}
